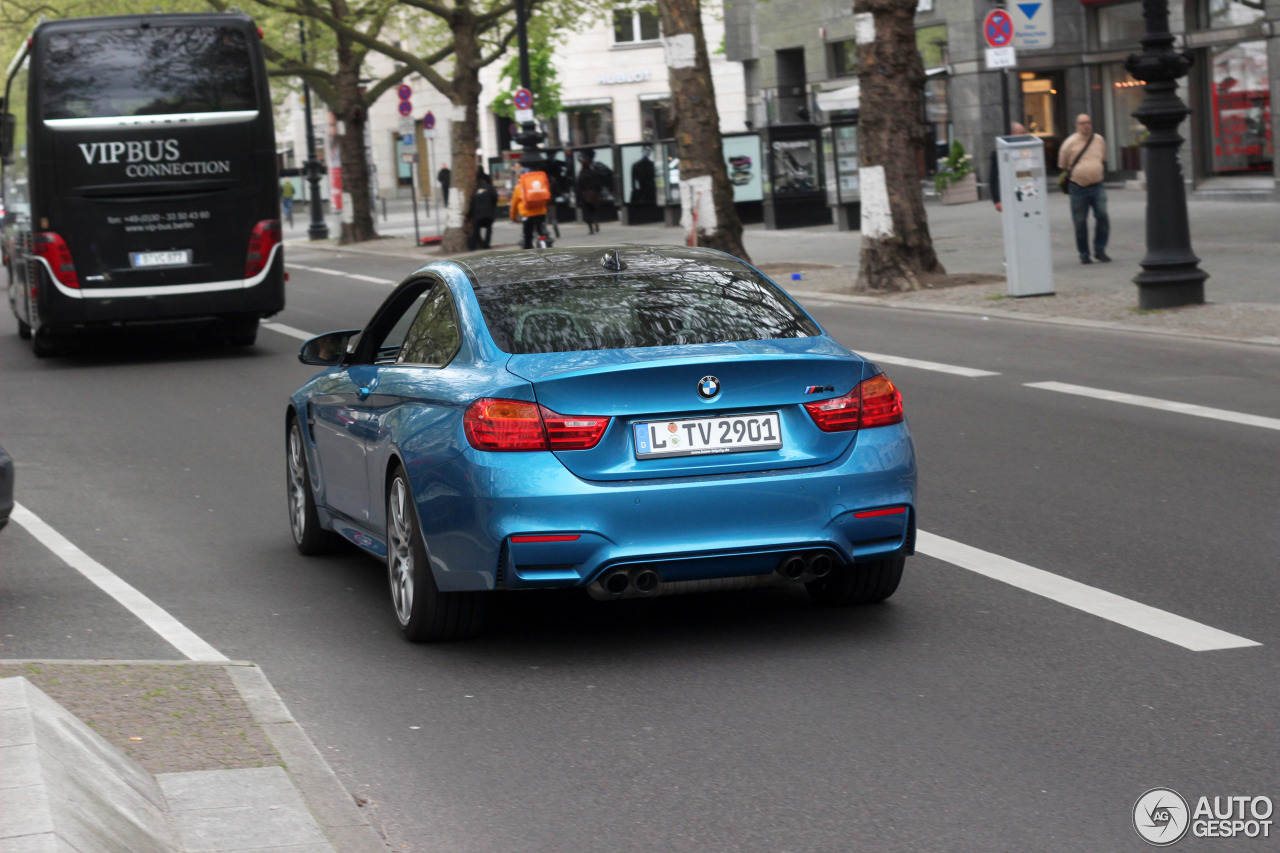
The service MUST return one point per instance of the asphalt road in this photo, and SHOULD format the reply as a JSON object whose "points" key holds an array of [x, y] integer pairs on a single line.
{"points": [[966, 713]]}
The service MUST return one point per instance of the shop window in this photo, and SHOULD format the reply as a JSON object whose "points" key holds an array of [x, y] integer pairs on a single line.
{"points": [[1042, 109], [1240, 109], [655, 119], [844, 58], [632, 26], [590, 125], [1124, 132], [1221, 14], [1121, 25]]}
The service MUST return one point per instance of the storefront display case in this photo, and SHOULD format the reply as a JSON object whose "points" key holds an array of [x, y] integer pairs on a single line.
{"points": [[605, 162], [744, 161], [796, 195], [643, 182], [840, 154]]}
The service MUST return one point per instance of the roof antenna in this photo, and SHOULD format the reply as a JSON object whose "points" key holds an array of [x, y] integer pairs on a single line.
{"points": [[613, 261]]}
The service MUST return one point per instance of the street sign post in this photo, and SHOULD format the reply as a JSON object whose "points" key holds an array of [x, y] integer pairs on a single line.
{"points": [[997, 31], [523, 101], [1032, 24], [997, 28], [1001, 57]]}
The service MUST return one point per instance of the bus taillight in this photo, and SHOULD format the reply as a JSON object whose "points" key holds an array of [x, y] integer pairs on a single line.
{"points": [[50, 246], [265, 237]]}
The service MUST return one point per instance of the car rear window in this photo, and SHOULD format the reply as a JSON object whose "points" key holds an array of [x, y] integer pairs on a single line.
{"points": [[648, 310], [142, 71]]}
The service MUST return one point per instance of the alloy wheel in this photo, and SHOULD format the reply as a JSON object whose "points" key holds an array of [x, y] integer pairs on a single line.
{"points": [[400, 550], [297, 485]]}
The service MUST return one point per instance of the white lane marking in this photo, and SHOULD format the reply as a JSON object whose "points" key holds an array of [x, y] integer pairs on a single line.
{"points": [[356, 276], [1156, 403], [288, 330], [152, 615], [1123, 611], [971, 372]]}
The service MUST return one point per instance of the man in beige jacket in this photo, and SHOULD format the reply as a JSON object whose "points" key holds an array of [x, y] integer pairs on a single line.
{"points": [[1085, 187]]}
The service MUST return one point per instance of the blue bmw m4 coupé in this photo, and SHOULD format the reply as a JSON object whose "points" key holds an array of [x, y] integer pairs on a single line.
{"points": [[635, 422]]}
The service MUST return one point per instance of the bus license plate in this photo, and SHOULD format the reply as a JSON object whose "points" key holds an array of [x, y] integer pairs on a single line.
{"points": [[161, 259], [704, 436]]}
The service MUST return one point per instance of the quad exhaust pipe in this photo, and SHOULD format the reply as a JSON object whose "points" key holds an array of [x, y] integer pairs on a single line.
{"points": [[627, 582], [805, 566], [644, 581]]}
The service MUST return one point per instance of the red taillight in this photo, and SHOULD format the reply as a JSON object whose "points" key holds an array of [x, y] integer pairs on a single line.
{"points": [[504, 425], [50, 246], [572, 432], [875, 402], [265, 237]]}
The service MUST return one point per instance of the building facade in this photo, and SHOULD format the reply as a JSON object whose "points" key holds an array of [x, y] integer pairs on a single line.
{"points": [[787, 94]]}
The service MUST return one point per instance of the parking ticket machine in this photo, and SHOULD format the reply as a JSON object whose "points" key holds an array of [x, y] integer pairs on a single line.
{"points": [[1025, 215]]}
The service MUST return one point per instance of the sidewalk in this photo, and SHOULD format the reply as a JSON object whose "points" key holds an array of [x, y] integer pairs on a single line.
{"points": [[236, 771], [1238, 244]]}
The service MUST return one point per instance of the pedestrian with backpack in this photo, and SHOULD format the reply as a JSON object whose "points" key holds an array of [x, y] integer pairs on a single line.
{"points": [[529, 204]]}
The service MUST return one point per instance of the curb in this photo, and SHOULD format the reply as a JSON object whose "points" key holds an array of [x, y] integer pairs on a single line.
{"points": [[888, 302], [1104, 325], [332, 806]]}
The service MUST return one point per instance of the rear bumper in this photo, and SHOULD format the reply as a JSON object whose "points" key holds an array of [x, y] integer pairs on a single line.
{"points": [[61, 307], [694, 528]]}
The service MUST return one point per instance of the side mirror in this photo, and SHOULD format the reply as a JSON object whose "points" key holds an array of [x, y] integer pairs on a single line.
{"points": [[327, 350]]}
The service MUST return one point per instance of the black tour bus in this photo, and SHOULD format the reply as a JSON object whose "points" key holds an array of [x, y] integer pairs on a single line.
{"points": [[139, 176]]}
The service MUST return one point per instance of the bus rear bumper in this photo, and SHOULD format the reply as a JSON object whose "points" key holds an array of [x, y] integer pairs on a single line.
{"points": [[59, 309]]}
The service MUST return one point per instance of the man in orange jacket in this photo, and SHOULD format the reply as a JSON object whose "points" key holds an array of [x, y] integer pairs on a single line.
{"points": [[534, 213]]}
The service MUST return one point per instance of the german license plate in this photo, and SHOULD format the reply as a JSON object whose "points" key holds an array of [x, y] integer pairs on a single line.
{"points": [[161, 259], [704, 436]]}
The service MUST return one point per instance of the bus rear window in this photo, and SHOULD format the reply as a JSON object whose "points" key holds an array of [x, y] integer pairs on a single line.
{"points": [[146, 71]]}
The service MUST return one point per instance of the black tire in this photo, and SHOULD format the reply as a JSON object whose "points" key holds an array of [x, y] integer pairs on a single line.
{"points": [[42, 344], [424, 612], [858, 583], [304, 522], [24, 330], [240, 331]]}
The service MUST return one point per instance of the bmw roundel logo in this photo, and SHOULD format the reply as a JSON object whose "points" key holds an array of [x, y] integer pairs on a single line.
{"points": [[708, 387]]}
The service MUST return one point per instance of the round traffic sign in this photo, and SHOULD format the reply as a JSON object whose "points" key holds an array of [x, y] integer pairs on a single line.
{"points": [[404, 92], [523, 99], [405, 108], [997, 28], [429, 120]]}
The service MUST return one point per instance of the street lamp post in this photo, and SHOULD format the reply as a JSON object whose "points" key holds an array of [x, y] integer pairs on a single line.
{"points": [[532, 158], [1170, 273], [319, 229]]}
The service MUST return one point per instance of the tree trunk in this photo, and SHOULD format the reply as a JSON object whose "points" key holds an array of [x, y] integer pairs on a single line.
{"points": [[350, 110], [896, 246], [463, 129], [706, 195]]}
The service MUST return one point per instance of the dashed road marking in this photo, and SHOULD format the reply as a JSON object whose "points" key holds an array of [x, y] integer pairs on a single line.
{"points": [[357, 276], [971, 372], [288, 330], [1123, 611], [152, 615], [1156, 403]]}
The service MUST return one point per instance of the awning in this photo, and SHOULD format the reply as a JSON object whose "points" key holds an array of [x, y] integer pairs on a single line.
{"points": [[839, 99]]}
